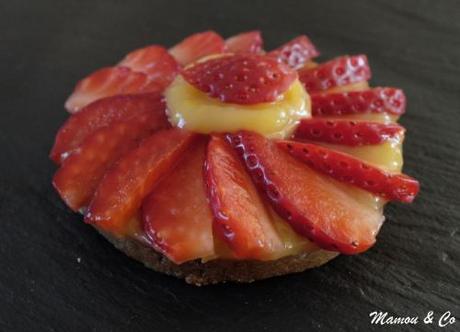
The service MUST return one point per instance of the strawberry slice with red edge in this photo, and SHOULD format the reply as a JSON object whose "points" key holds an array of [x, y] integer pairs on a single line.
{"points": [[353, 171], [155, 61], [296, 52], [377, 100], [246, 42], [241, 78], [346, 132], [240, 218], [176, 214], [197, 46], [143, 108], [108, 82], [121, 191], [337, 72], [312, 204], [80, 173]]}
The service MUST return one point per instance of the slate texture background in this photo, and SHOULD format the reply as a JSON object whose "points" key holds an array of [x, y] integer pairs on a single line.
{"points": [[57, 274]]}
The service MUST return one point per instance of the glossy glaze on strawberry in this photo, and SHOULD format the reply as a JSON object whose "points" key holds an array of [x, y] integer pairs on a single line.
{"points": [[218, 149], [240, 216], [312, 205], [80, 173], [177, 216]]}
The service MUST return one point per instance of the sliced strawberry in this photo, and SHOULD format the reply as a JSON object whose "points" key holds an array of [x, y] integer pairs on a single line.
{"points": [[241, 78], [296, 52], [240, 217], [377, 100], [155, 61], [197, 46], [176, 214], [80, 173], [123, 188], [246, 42], [351, 170], [337, 72], [143, 108], [313, 204], [108, 82], [346, 132]]}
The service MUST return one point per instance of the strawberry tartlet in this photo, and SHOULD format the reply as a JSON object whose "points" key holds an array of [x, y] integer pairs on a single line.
{"points": [[216, 160]]}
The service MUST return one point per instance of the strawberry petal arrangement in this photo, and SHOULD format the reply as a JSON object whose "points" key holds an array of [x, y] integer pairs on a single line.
{"points": [[216, 160]]}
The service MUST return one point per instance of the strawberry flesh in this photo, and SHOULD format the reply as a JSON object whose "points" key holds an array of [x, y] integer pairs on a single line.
{"points": [[337, 72], [346, 132], [241, 78], [176, 214], [313, 205], [143, 108], [353, 171], [246, 42], [296, 52], [80, 173], [240, 218], [108, 82], [120, 193], [377, 100], [197, 46], [155, 61]]}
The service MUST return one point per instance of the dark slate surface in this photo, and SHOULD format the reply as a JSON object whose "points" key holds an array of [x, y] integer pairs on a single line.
{"points": [[59, 275]]}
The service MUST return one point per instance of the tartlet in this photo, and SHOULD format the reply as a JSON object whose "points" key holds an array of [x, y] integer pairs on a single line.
{"points": [[218, 161]]}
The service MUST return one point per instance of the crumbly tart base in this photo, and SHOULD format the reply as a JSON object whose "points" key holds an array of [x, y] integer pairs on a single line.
{"points": [[219, 270]]}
